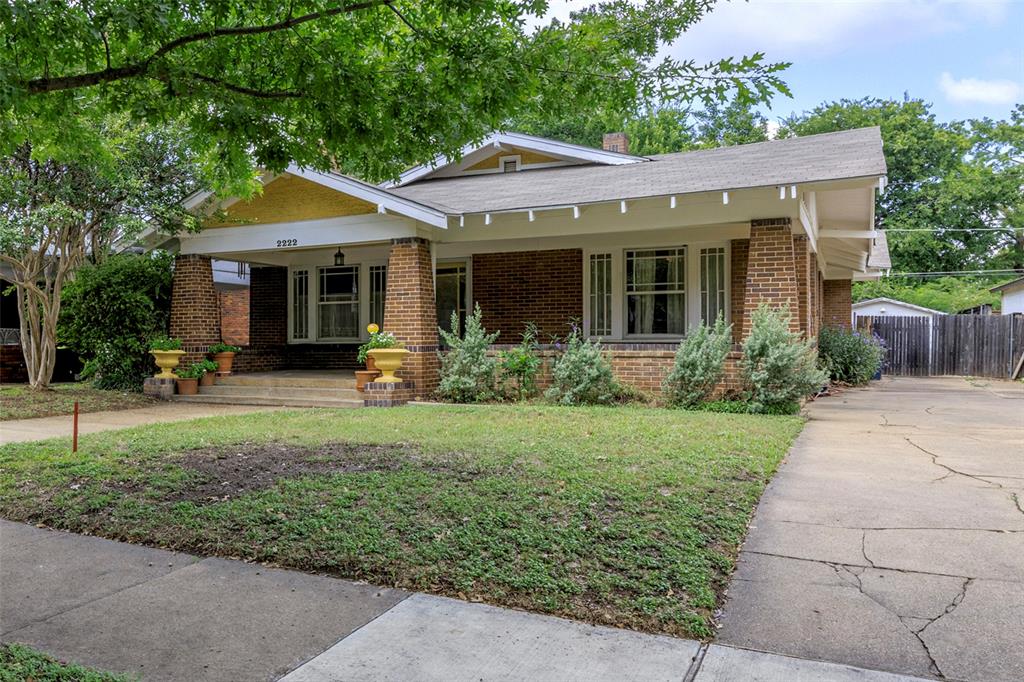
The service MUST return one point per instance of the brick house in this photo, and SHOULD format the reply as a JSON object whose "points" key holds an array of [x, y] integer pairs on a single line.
{"points": [[636, 249]]}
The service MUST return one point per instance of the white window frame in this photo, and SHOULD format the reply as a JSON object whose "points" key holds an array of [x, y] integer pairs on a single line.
{"points": [[313, 328], [693, 308], [468, 262], [361, 304]]}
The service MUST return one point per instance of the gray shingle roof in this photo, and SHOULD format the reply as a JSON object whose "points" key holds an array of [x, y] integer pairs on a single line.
{"points": [[815, 158]]}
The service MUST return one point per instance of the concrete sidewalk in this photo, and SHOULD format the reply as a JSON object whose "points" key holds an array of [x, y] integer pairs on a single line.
{"points": [[22, 430], [893, 535], [171, 616]]}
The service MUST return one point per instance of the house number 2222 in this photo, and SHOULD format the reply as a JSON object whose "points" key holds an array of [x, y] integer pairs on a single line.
{"points": [[287, 242]]}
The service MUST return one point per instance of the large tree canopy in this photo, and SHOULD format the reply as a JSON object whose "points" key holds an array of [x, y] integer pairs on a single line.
{"points": [[370, 85]]}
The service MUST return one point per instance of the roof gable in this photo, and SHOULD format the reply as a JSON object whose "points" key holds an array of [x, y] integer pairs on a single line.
{"points": [[290, 198]]}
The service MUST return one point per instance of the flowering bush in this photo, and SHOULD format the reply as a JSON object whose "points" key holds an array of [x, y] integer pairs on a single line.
{"points": [[699, 364], [779, 367], [849, 357], [467, 372], [582, 375]]}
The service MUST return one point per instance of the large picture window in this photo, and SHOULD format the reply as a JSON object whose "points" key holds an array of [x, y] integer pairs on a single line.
{"points": [[712, 284], [338, 302], [451, 283], [656, 292]]}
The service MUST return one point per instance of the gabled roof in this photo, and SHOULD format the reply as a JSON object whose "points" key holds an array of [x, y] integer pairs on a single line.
{"points": [[814, 158], [1007, 285], [893, 301], [538, 144]]}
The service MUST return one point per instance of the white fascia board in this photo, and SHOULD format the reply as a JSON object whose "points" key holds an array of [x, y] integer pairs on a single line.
{"points": [[374, 195], [539, 144], [848, 234]]}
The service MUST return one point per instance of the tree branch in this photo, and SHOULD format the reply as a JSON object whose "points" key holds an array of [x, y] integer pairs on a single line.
{"points": [[109, 75], [242, 90]]}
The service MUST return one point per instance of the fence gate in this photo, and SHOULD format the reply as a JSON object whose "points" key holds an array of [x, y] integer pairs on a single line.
{"points": [[964, 345]]}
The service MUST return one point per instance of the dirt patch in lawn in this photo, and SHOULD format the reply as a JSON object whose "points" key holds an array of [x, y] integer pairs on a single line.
{"points": [[223, 473]]}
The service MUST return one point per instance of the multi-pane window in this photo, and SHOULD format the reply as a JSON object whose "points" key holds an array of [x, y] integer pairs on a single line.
{"points": [[378, 291], [338, 302], [712, 284], [300, 304], [656, 291], [451, 294], [600, 294]]}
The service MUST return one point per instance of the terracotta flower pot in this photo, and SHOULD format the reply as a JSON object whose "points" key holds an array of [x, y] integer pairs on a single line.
{"points": [[209, 379], [364, 376], [167, 360], [224, 362], [371, 365], [188, 386], [388, 361]]}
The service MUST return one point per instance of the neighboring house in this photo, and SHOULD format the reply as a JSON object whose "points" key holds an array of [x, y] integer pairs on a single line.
{"points": [[890, 307], [636, 249], [1012, 296]]}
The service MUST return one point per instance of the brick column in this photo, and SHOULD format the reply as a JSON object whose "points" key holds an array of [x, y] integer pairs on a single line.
{"points": [[802, 265], [739, 250], [837, 303], [814, 298], [771, 270], [195, 310], [410, 312]]}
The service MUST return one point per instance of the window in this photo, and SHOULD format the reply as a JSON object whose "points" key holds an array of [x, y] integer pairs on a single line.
{"points": [[600, 294], [451, 294], [656, 291], [300, 304], [712, 284], [378, 292], [338, 302]]}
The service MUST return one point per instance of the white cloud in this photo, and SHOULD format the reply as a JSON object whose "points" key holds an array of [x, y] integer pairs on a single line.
{"points": [[976, 90]]}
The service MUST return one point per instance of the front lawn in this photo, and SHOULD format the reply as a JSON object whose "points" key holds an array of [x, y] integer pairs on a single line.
{"points": [[20, 664], [21, 402], [625, 516]]}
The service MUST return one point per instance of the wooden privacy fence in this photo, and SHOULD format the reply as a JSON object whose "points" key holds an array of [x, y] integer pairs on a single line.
{"points": [[963, 345]]}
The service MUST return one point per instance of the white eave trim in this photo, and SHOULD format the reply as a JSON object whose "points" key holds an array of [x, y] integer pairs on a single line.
{"points": [[538, 144]]}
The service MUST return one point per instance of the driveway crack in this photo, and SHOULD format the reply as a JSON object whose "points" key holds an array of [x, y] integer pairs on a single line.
{"points": [[950, 471]]}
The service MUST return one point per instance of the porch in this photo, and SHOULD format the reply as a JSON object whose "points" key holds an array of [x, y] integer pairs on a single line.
{"points": [[289, 388]]}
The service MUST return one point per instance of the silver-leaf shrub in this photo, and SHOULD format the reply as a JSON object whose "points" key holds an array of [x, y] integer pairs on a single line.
{"points": [[699, 364]]}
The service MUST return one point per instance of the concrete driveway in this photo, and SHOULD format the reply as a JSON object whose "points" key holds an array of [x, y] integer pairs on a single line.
{"points": [[893, 536]]}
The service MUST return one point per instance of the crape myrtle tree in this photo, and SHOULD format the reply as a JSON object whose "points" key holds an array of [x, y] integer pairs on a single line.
{"points": [[365, 86], [56, 214]]}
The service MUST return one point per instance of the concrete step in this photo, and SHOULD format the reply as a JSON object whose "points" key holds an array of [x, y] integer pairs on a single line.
{"points": [[281, 401], [287, 381], [306, 392]]}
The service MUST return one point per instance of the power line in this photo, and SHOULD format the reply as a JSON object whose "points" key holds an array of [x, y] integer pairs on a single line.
{"points": [[950, 273], [949, 229]]}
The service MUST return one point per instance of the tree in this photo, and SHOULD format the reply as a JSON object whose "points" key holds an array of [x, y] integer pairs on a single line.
{"points": [[369, 86], [950, 182], [56, 215]]}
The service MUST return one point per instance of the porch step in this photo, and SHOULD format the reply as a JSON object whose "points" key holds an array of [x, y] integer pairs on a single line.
{"points": [[278, 401], [282, 379], [265, 391]]}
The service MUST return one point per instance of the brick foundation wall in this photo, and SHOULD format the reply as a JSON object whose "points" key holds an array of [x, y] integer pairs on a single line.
{"points": [[739, 250], [410, 312], [542, 287], [195, 309], [771, 269], [234, 316], [837, 303]]}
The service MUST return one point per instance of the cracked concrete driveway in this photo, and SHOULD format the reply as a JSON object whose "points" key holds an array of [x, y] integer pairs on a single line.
{"points": [[893, 536]]}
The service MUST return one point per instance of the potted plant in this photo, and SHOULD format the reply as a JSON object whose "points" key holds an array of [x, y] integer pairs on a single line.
{"points": [[188, 379], [209, 372], [386, 354], [167, 352], [378, 339], [224, 355]]}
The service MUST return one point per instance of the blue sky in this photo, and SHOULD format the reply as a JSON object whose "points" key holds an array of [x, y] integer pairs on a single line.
{"points": [[965, 56]]}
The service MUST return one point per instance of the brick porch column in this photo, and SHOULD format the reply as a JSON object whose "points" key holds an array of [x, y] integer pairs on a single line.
{"points": [[410, 312], [837, 303], [771, 270], [740, 251], [195, 310], [802, 266]]}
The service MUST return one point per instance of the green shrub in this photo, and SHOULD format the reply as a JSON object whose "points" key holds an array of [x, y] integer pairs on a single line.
{"points": [[207, 366], [109, 313], [520, 364], [699, 364], [779, 367], [223, 348], [849, 357], [467, 371], [582, 375], [193, 371]]}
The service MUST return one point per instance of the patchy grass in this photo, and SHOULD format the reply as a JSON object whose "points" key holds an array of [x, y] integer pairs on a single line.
{"points": [[626, 516], [21, 402], [19, 663]]}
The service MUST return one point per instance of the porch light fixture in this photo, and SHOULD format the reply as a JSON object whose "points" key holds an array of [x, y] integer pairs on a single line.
{"points": [[339, 257]]}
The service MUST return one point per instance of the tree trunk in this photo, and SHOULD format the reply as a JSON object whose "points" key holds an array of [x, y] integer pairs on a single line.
{"points": [[38, 338]]}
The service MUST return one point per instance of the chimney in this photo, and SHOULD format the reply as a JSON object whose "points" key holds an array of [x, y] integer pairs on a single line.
{"points": [[616, 142]]}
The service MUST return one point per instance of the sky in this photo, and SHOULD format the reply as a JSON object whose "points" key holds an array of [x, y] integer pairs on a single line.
{"points": [[964, 56]]}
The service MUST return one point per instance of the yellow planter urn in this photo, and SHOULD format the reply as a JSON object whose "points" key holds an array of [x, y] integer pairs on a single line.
{"points": [[388, 360], [167, 360]]}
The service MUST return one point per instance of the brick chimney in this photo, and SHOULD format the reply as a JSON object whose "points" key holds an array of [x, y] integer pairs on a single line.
{"points": [[616, 142]]}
